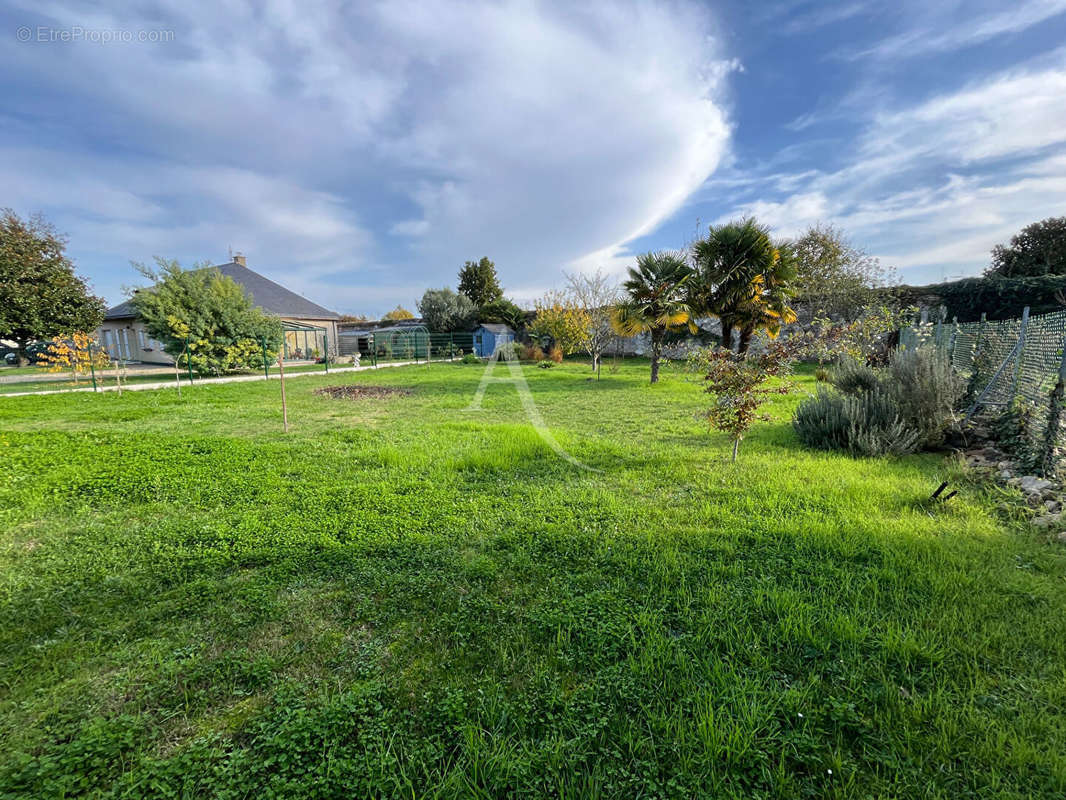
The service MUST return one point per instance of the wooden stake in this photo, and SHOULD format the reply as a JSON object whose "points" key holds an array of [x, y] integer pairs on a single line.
{"points": [[284, 407], [177, 378], [118, 378]]}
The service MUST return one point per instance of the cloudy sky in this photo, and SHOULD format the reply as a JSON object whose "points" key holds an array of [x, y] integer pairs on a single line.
{"points": [[359, 152]]}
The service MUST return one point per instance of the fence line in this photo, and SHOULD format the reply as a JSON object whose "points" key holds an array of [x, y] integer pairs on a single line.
{"points": [[1006, 363]]}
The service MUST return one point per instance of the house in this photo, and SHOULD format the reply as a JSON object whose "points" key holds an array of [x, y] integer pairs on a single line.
{"points": [[490, 335], [308, 326]]}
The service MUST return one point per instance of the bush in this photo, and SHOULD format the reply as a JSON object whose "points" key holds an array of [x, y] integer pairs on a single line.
{"points": [[852, 377], [926, 390], [821, 375], [556, 354], [532, 352], [470, 358], [546, 364], [863, 425]]}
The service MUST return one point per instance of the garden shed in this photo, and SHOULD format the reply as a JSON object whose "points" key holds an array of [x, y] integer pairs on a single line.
{"points": [[490, 335]]}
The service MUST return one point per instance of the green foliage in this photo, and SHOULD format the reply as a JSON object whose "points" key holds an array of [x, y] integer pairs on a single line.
{"points": [[853, 377], [205, 319], [927, 391], [1038, 249], [866, 338], [867, 424], [833, 277], [444, 311], [737, 384], [409, 599], [999, 298], [40, 294], [504, 311], [546, 363], [656, 301], [470, 358], [907, 406], [744, 279], [478, 281], [1013, 430]]}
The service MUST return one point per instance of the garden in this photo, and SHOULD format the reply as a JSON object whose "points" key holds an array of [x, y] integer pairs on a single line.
{"points": [[404, 596]]}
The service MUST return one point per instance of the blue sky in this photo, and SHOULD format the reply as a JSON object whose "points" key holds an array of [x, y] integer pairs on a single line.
{"points": [[360, 152]]}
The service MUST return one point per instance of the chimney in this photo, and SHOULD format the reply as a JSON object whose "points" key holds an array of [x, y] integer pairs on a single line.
{"points": [[238, 258]]}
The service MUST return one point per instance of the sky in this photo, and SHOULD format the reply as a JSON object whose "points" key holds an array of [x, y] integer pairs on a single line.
{"points": [[360, 152]]}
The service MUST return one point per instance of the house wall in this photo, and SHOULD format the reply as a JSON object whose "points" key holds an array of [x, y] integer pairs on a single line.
{"points": [[128, 340]]}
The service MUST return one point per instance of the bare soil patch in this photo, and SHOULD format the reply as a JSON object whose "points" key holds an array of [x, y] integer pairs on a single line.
{"points": [[360, 392]]}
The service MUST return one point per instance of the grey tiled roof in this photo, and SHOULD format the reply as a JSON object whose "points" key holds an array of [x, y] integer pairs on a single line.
{"points": [[266, 294], [496, 327]]}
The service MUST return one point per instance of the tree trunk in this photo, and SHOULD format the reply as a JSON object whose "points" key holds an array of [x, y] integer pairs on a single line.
{"points": [[745, 340], [656, 347], [736, 446], [727, 335]]}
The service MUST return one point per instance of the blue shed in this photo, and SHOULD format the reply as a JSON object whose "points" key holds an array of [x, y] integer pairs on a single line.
{"points": [[490, 335]]}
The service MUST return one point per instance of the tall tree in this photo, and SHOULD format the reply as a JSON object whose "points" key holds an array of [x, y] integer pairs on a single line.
{"points": [[40, 294], [478, 281], [502, 310], [741, 278], [1038, 249], [656, 301], [444, 311], [398, 313], [834, 278], [204, 319]]}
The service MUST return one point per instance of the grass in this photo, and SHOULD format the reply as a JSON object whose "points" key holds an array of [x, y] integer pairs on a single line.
{"points": [[407, 598]]}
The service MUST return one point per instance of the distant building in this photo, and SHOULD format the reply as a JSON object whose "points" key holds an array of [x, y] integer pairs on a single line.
{"points": [[490, 335], [307, 325]]}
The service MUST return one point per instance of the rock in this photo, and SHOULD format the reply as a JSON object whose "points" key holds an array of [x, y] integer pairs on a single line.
{"points": [[1032, 484], [1004, 465], [1062, 537], [1052, 506], [1046, 520], [1008, 476], [1050, 494]]}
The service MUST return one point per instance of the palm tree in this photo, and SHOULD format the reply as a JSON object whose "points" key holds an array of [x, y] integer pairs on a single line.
{"points": [[742, 278], [656, 303]]}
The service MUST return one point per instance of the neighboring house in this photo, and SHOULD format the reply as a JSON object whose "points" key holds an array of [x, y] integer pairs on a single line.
{"points": [[307, 325], [490, 335]]}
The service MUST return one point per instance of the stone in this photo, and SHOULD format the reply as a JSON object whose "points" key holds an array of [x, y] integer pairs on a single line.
{"points": [[1008, 476], [1062, 537], [1052, 506], [1003, 465], [1032, 484], [1046, 520]]}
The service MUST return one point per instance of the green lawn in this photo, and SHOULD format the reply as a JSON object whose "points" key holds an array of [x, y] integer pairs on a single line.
{"points": [[406, 598]]}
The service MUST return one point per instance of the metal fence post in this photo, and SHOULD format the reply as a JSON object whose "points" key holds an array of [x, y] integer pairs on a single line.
{"points": [[188, 359], [92, 369], [954, 340], [266, 364], [1049, 460], [977, 344], [325, 350], [1021, 354]]}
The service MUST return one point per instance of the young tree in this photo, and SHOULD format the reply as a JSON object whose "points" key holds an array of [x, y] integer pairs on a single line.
{"points": [[595, 295], [208, 312], [738, 386], [444, 311], [1038, 249], [833, 277], [656, 301], [399, 313], [40, 294], [478, 281], [77, 354]]}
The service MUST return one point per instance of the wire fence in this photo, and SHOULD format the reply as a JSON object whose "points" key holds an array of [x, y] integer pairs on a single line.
{"points": [[1014, 365]]}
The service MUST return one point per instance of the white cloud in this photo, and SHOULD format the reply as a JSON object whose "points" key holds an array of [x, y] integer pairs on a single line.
{"points": [[534, 133], [931, 188], [942, 27]]}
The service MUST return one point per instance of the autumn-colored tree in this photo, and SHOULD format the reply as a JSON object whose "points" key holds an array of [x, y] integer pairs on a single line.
{"points": [[558, 319], [595, 295], [77, 354], [399, 313]]}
